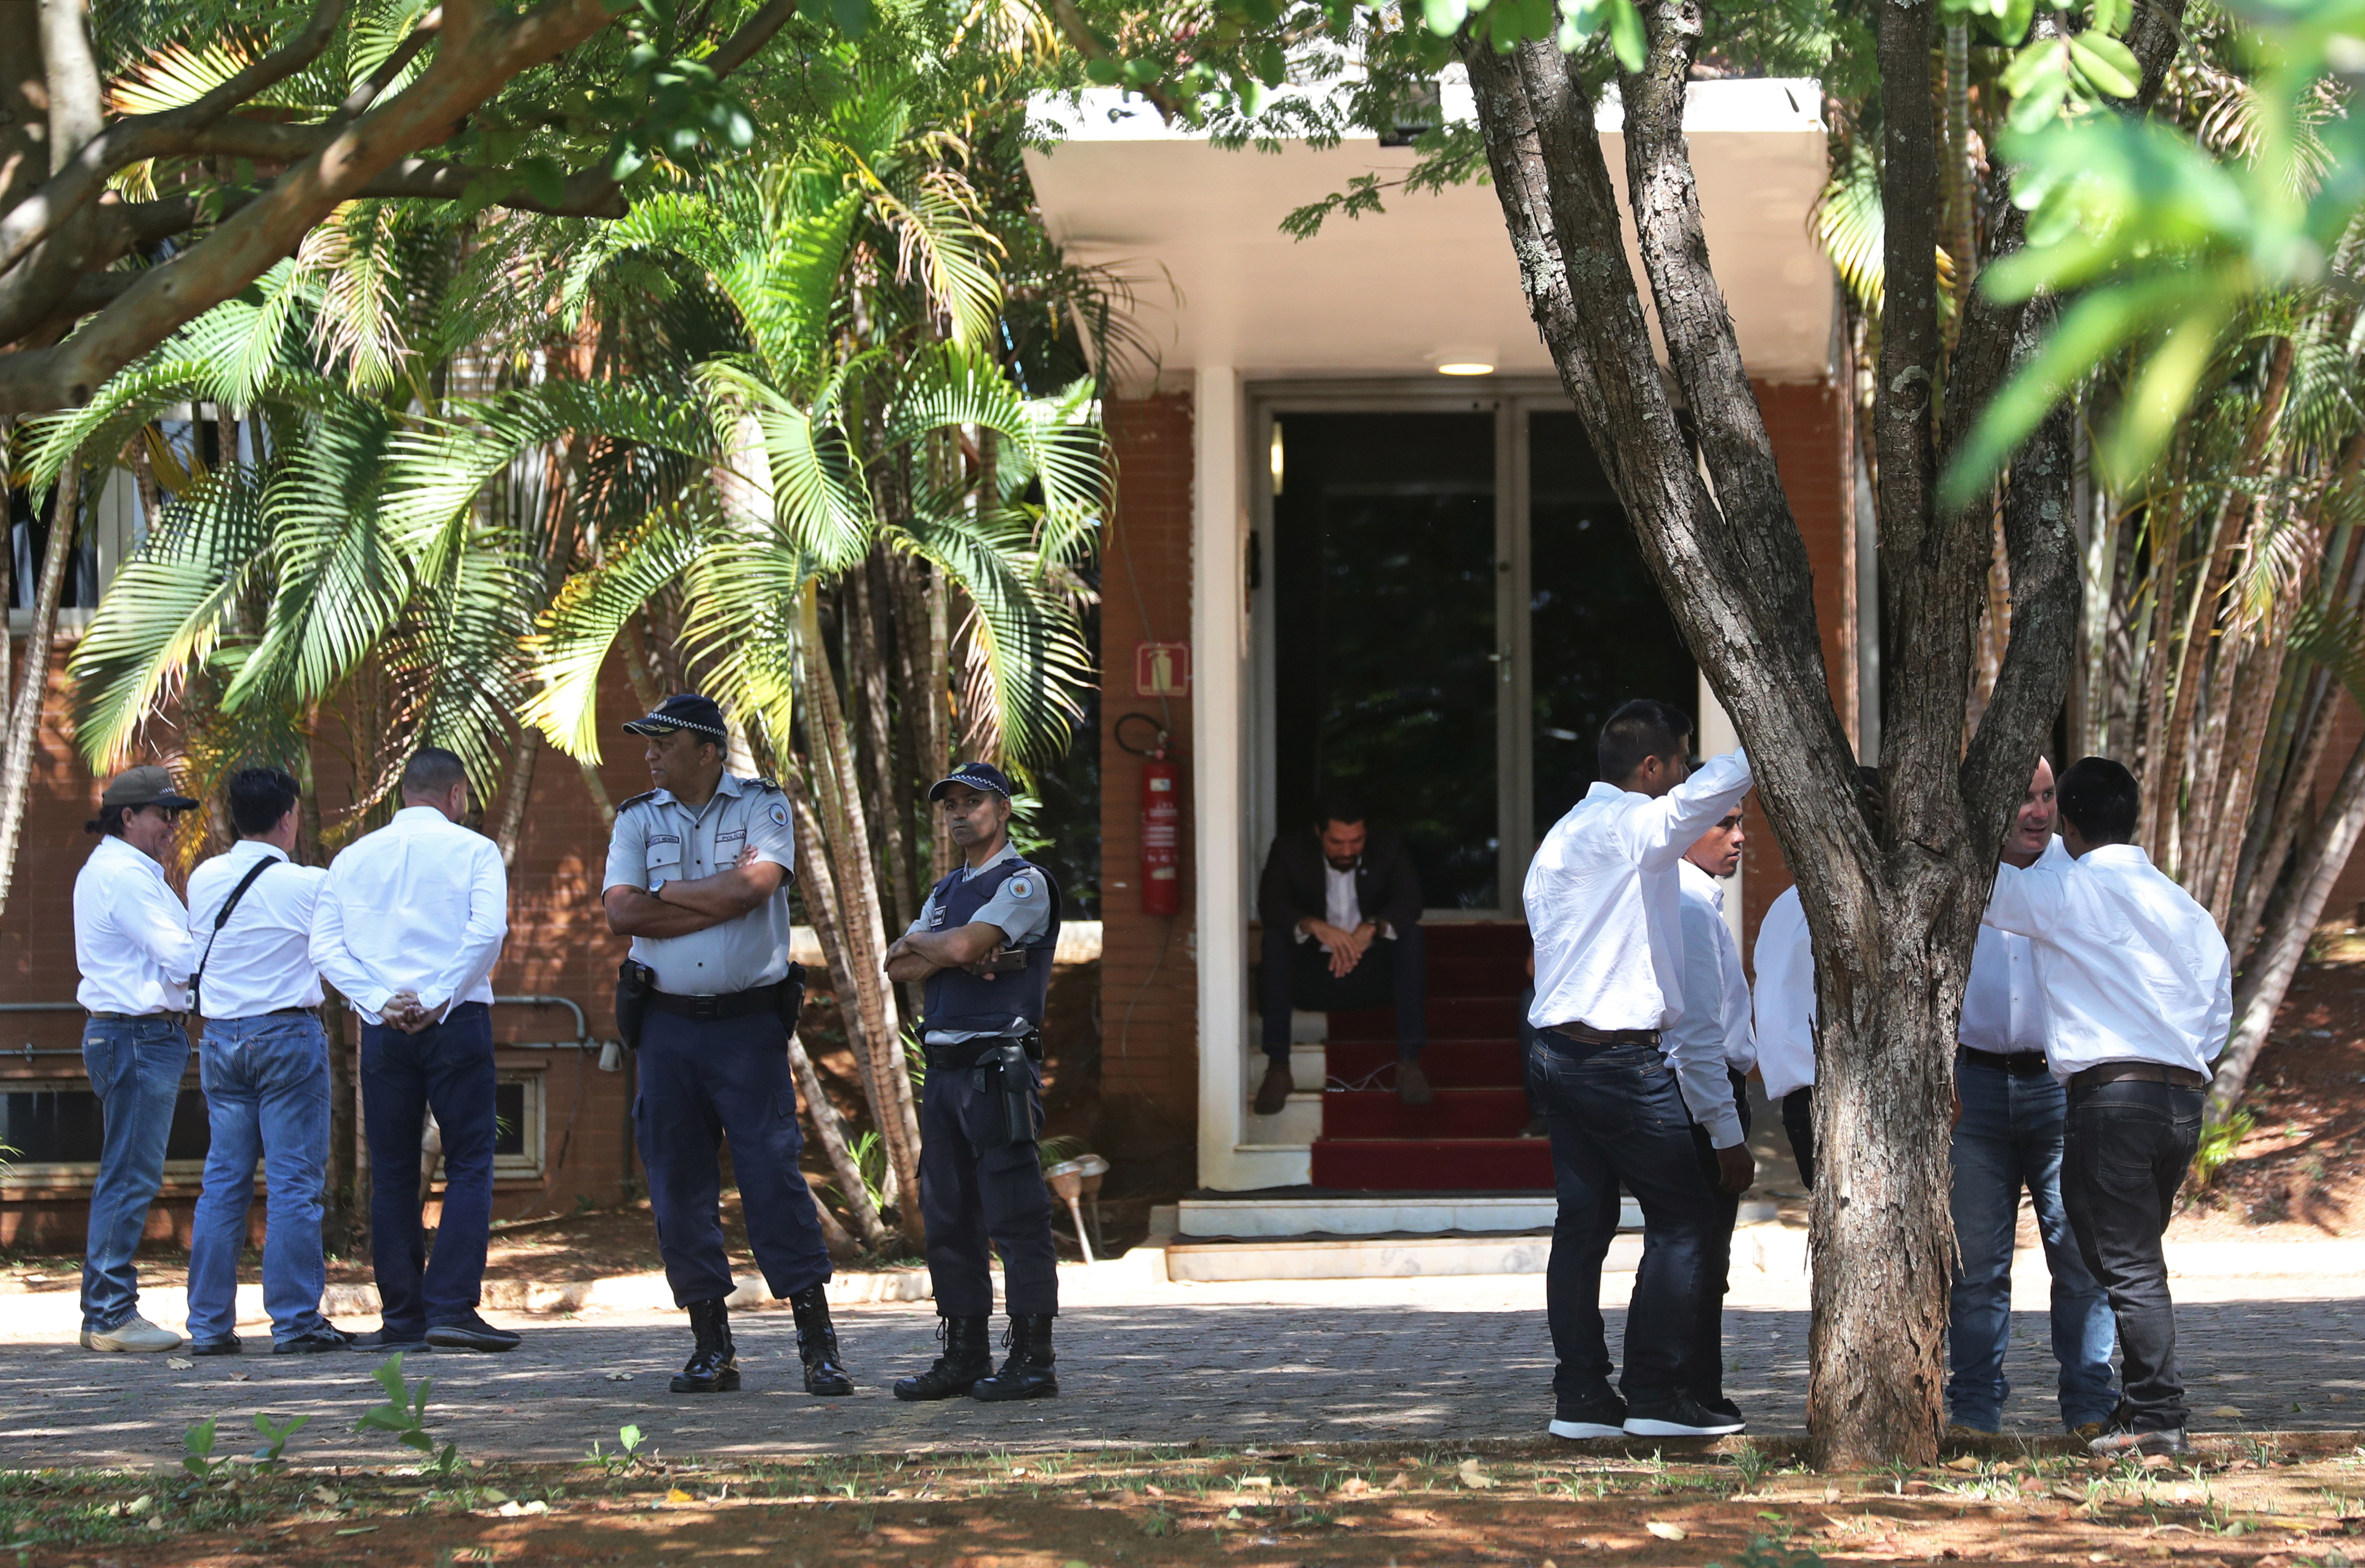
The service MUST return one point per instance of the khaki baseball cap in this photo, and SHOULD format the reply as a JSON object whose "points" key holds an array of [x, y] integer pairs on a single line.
{"points": [[150, 785]]}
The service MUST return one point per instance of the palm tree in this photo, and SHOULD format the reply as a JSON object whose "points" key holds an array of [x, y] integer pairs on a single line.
{"points": [[846, 443]]}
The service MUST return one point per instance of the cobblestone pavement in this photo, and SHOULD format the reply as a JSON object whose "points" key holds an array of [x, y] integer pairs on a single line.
{"points": [[1441, 1360]]}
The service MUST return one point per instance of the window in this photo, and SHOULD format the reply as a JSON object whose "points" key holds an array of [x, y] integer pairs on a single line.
{"points": [[54, 1127], [517, 1133]]}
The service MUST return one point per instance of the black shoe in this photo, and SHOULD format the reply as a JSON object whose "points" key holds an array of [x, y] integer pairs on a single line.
{"points": [[326, 1337], [1720, 1405], [1682, 1417], [1027, 1373], [223, 1346], [388, 1341], [967, 1358], [1273, 1090], [1600, 1416], [472, 1333], [817, 1344], [713, 1366]]}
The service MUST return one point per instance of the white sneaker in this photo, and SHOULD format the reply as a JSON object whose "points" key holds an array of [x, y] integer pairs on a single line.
{"points": [[134, 1333]]}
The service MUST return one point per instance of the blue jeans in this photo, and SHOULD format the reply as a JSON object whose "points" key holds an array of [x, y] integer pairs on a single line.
{"points": [[2010, 1138], [1617, 1116], [135, 1066], [446, 1067], [266, 1097]]}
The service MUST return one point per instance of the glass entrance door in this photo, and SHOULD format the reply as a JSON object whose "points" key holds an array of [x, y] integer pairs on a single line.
{"points": [[1448, 601]]}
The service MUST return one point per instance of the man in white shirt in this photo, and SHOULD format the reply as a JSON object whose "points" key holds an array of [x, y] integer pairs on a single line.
{"points": [[131, 944], [1712, 1048], [409, 927], [1785, 1002], [1604, 908], [2007, 1141], [263, 1060], [2138, 995]]}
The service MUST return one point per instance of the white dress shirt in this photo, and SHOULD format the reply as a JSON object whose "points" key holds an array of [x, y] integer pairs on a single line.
{"points": [[1341, 907], [132, 934], [1785, 998], [1712, 1037], [421, 905], [2132, 969], [2004, 1003], [262, 960], [1603, 903]]}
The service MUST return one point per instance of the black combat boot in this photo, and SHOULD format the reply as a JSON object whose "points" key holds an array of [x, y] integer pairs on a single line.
{"points": [[1028, 1374], [713, 1367], [967, 1358], [817, 1343]]}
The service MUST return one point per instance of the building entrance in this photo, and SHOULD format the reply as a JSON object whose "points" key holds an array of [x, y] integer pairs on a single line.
{"points": [[1450, 601]]}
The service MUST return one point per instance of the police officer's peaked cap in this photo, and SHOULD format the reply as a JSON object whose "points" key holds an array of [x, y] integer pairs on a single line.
{"points": [[977, 776], [150, 785], [687, 712]]}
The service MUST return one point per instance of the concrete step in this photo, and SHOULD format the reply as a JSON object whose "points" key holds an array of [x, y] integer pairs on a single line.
{"points": [[1760, 1245]]}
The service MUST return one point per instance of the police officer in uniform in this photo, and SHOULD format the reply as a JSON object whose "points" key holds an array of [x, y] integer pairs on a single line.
{"points": [[984, 943], [698, 877]]}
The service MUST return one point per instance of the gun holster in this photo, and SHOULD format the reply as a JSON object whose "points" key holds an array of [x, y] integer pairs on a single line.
{"points": [[634, 982], [1007, 1073], [790, 999]]}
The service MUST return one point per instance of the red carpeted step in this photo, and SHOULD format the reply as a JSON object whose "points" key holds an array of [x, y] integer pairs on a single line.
{"points": [[1451, 1112], [1476, 939], [1451, 1064], [1502, 975], [1468, 1018], [1435, 1165]]}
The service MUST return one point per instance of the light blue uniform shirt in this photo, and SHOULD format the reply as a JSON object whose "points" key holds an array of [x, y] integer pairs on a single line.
{"points": [[1020, 908], [659, 840]]}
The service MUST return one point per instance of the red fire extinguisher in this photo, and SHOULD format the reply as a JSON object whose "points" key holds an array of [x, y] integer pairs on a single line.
{"points": [[1161, 829]]}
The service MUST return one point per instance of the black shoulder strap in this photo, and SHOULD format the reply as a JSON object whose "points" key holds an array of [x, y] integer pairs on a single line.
{"points": [[230, 903]]}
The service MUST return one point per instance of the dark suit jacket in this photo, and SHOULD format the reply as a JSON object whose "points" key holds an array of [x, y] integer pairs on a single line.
{"points": [[1387, 886]]}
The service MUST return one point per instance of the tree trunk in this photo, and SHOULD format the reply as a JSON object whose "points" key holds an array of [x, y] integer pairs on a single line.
{"points": [[938, 697], [867, 669], [2267, 979], [24, 733], [521, 790], [860, 928], [830, 1133]]}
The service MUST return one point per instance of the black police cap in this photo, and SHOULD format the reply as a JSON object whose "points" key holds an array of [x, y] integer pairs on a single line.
{"points": [[687, 712], [977, 776]]}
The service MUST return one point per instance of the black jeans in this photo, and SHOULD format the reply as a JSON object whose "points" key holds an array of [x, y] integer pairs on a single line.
{"points": [[1617, 1117], [2124, 1155], [1716, 1269], [1290, 973], [1798, 1121]]}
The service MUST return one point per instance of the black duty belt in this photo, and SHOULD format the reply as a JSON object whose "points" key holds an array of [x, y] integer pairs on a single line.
{"points": [[1591, 1038], [2020, 1064], [962, 1054], [2144, 1071], [730, 1004], [121, 1017]]}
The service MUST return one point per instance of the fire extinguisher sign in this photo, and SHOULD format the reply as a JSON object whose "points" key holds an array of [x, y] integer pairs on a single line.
{"points": [[1161, 670]]}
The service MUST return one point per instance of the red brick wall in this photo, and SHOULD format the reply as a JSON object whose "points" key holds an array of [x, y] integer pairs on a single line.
{"points": [[1150, 972]]}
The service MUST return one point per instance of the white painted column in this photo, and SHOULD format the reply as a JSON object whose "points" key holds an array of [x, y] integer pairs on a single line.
{"points": [[1218, 763], [1718, 736]]}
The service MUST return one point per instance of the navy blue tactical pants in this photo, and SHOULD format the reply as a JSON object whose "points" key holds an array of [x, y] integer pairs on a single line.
{"points": [[702, 1081], [971, 1193]]}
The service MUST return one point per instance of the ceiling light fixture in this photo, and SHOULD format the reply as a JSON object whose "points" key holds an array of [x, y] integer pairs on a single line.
{"points": [[1465, 367]]}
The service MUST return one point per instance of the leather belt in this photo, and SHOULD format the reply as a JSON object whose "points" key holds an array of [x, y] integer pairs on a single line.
{"points": [[2142, 1072], [121, 1017], [2020, 1064], [730, 1004], [1587, 1035]]}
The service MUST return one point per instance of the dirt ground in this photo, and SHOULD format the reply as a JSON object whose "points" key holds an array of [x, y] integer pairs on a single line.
{"points": [[2251, 1505]]}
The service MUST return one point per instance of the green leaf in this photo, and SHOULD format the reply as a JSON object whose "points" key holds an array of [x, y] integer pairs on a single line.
{"points": [[1444, 17], [1625, 33], [2108, 64], [2112, 16]]}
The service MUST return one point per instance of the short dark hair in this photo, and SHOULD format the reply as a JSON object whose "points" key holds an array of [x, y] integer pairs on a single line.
{"points": [[108, 824], [1338, 806], [259, 797], [1639, 730], [2100, 798], [433, 771]]}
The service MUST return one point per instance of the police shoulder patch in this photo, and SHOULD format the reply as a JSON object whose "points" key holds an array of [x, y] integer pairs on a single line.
{"points": [[1022, 887], [780, 813]]}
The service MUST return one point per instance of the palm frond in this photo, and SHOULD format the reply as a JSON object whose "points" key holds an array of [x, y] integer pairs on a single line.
{"points": [[581, 625]]}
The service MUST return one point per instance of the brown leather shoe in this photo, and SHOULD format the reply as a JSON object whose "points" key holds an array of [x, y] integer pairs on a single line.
{"points": [[1274, 1093], [1412, 1084]]}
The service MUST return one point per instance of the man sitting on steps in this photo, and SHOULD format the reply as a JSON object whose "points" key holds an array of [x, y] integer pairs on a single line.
{"points": [[1341, 910]]}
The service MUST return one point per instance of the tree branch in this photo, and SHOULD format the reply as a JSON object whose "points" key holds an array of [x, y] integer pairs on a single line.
{"points": [[588, 194], [76, 180], [476, 59]]}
